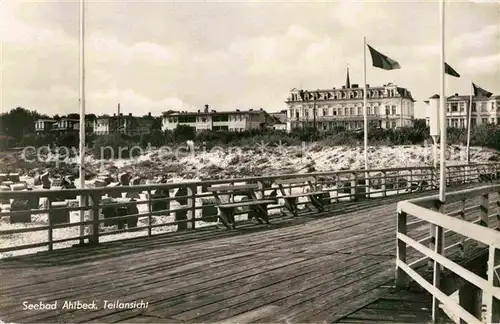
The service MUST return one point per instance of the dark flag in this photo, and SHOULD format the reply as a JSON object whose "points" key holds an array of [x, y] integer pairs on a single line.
{"points": [[450, 71], [381, 61], [480, 92]]}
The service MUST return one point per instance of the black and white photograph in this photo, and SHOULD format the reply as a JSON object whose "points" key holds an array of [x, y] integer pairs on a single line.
{"points": [[249, 161]]}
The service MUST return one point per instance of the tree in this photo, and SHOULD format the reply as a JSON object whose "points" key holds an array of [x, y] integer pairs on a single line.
{"points": [[18, 123]]}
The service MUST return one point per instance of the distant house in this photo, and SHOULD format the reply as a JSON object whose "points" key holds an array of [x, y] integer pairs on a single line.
{"points": [[44, 125], [236, 121], [128, 124], [63, 125], [278, 120]]}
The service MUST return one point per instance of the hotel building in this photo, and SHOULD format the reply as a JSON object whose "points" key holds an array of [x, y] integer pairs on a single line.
{"points": [[389, 106], [485, 110]]}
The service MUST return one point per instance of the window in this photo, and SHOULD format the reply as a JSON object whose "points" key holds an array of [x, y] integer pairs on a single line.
{"points": [[473, 108], [334, 111], [393, 110], [386, 124], [393, 124], [454, 107], [351, 111], [462, 107], [462, 123], [360, 110], [484, 121], [375, 110], [325, 112], [387, 110], [340, 111], [473, 122], [483, 107], [346, 111], [492, 106], [297, 114]]}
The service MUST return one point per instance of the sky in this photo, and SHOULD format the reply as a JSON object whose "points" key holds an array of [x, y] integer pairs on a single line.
{"points": [[154, 56]]}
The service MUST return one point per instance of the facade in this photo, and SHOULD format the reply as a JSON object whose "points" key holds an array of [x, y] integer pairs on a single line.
{"points": [[485, 110], [44, 125], [389, 106], [236, 121], [128, 124], [63, 125]]}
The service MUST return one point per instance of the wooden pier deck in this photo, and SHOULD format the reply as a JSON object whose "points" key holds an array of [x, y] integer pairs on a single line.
{"points": [[318, 268]]}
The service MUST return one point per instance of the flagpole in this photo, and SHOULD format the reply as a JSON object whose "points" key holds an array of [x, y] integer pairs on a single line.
{"points": [[82, 114], [442, 98], [469, 125], [365, 117]]}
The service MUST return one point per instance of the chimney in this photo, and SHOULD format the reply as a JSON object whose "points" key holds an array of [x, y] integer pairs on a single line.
{"points": [[347, 81], [130, 114], [456, 94], [119, 109], [206, 109], [198, 111], [120, 114], [261, 109], [149, 114]]}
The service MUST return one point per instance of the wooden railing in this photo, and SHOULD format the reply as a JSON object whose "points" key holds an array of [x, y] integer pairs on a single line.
{"points": [[191, 204], [461, 228]]}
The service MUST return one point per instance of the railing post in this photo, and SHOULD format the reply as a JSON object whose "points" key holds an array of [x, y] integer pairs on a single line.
{"points": [[383, 182], [94, 214], [51, 224], [191, 204], [150, 210], [397, 183], [498, 210], [401, 276], [461, 245], [411, 179], [354, 186], [487, 295], [261, 189], [484, 209], [436, 277]]}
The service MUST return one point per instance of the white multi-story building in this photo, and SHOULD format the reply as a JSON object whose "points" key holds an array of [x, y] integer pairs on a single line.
{"points": [[237, 121], [389, 106], [485, 110]]}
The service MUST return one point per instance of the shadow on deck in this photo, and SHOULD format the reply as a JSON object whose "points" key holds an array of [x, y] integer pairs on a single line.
{"points": [[314, 268]]}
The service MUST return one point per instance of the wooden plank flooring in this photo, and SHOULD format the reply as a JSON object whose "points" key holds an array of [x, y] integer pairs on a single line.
{"points": [[314, 268]]}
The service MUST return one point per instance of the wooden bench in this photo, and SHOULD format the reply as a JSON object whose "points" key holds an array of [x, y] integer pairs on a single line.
{"points": [[257, 207], [291, 200]]}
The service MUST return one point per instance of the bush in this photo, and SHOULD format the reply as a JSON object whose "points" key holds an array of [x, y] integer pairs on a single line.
{"points": [[115, 146], [118, 145]]}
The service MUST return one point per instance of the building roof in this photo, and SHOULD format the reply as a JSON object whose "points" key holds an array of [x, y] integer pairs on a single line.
{"points": [[280, 117]]}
